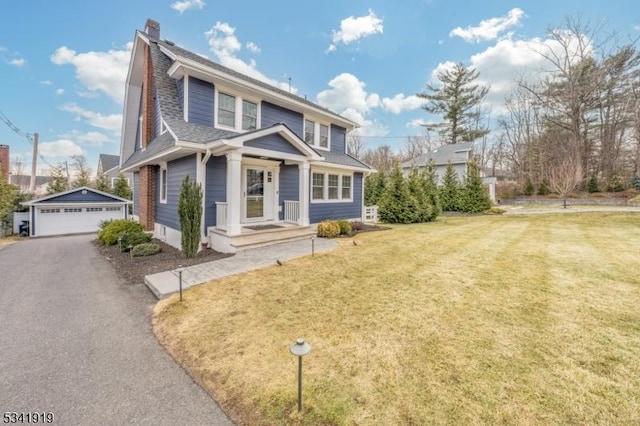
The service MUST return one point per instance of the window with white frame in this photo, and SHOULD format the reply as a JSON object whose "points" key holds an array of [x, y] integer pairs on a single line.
{"points": [[326, 186], [49, 210], [163, 185], [249, 115], [94, 209], [113, 209], [73, 210], [226, 110], [316, 134]]}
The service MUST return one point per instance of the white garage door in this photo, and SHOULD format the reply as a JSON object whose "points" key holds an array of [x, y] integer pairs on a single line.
{"points": [[73, 220]]}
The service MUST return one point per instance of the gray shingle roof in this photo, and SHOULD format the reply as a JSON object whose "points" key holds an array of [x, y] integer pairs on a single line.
{"points": [[456, 153], [342, 159], [157, 146], [109, 161]]}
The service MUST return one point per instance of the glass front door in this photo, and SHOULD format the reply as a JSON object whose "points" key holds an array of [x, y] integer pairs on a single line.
{"points": [[254, 193]]}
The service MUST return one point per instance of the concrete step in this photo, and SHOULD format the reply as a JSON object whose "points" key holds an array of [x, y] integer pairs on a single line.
{"points": [[270, 237]]}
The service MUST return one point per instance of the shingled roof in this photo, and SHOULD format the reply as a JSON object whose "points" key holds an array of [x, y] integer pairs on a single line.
{"points": [[456, 153]]}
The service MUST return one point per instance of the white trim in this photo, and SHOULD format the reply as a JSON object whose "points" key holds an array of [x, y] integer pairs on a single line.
{"points": [[185, 98], [317, 123], [234, 192], [82, 188], [325, 189], [152, 160], [238, 112]]}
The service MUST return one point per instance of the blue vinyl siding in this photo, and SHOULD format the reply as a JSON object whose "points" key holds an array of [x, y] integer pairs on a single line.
{"points": [[273, 114], [136, 193], [273, 142], [167, 214], [338, 139], [180, 89], [79, 197], [216, 187], [321, 211], [200, 102], [289, 185]]}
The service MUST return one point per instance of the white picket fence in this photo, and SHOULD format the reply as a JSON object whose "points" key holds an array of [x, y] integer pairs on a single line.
{"points": [[371, 214]]}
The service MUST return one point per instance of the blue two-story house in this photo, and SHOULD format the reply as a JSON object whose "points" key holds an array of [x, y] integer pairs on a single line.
{"points": [[271, 164]]}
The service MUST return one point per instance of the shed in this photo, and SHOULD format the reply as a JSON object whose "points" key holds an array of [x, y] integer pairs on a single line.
{"points": [[79, 210]]}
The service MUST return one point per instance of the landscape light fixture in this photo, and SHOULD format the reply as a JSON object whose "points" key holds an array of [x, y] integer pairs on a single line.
{"points": [[313, 246], [300, 348], [180, 269]]}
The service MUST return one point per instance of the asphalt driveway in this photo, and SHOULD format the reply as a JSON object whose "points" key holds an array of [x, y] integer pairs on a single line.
{"points": [[77, 342]]}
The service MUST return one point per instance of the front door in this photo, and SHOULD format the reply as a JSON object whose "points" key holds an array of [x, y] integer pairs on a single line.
{"points": [[254, 194]]}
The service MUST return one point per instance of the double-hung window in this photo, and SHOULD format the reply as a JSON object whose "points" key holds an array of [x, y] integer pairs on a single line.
{"points": [[328, 187], [249, 115], [309, 132], [226, 110], [323, 139], [316, 134], [163, 185]]}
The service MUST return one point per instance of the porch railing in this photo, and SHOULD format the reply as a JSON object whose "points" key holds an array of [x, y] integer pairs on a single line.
{"points": [[221, 215], [371, 214], [291, 211]]}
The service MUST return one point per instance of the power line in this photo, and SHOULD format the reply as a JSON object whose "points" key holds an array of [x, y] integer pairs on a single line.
{"points": [[27, 136]]}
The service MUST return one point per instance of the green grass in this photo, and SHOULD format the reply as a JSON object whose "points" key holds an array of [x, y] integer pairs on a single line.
{"points": [[468, 320]]}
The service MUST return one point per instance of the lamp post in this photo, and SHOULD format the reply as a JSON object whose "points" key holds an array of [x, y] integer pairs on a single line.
{"points": [[313, 246], [180, 269], [300, 348]]}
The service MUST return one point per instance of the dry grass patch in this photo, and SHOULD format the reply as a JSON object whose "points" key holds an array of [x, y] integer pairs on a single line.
{"points": [[468, 320], [6, 241]]}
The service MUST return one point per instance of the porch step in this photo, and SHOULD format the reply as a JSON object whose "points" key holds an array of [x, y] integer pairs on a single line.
{"points": [[271, 236]]}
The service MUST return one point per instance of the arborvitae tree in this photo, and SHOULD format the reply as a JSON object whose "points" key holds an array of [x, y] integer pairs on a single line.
{"points": [[58, 181], [102, 183], [421, 207], [529, 189], [373, 187], [635, 182], [458, 100], [83, 173], [190, 213], [474, 197], [543, 188], [449, 191], [430, 186], [592, 184], [394, 206], [614, 183], [121, 188]]}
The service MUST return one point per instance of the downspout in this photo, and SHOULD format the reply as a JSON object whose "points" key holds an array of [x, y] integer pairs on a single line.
{"points": [[202, 181]]}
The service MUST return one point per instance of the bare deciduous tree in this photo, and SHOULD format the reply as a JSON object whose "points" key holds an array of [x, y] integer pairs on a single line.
{"points": [[564, 177], [355, 145]]}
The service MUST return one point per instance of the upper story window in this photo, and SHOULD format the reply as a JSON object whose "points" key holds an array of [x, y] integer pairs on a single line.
{"points": [[316, 134], [236, 113], [226, 110]]}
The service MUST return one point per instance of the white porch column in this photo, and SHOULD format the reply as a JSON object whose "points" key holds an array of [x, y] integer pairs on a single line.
{"points": [[201, 176], [303, 195], [234, 192]]}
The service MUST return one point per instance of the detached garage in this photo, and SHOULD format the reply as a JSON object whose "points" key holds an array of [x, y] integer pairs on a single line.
{"points": [[76, 211]]}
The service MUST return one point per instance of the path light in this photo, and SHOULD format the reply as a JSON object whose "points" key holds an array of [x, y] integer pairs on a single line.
{"points": [[130, 248], [300, 348], [313, 248], [180, 269], [120, 243]]}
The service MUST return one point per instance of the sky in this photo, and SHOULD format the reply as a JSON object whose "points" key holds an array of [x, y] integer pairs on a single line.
{"points": [[63, 64]]}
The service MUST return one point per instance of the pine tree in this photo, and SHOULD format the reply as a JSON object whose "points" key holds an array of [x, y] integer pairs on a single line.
{"points": [[418, 202], [102, 183], [614, 183], [58, 181], [190, 213], [529, 189], [592, 184], [430, 186], [474, 196], [543, 188], [395, 204], [83, 173], [449, 191], [8, 195], [373, 187], [121, 188], [458, 100]]}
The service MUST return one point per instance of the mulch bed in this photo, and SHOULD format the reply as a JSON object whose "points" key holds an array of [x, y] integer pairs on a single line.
{"points": [[133, 270]]}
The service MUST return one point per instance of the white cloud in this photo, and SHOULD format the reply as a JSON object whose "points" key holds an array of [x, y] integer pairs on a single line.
{"points": [[354, 28], [252, 47], [46, 83], [104, 72], [441, 68], [225, 45], [347, 92], [17, 62], [111, 122], [94, 139], [182, 6], [59, 148], [416, 123], [401, 103], [489, 29], [59, 91]]}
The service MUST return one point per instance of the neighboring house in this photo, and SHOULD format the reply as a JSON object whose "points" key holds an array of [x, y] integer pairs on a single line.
{"points": [[110, 166], [458, 154], [23, 183], [270, 163], [78, 210]]}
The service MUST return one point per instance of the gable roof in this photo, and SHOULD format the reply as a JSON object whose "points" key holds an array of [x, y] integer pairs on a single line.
{"points": [[456, 153], [109, 161], [25, 180], [63, 195]]}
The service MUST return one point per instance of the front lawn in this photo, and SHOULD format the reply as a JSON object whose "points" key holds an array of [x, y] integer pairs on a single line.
{"points": [[468, 320]]}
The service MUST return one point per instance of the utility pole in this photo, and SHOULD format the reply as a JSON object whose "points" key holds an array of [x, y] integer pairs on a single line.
{"points": [[34, 162], [66, 166]]}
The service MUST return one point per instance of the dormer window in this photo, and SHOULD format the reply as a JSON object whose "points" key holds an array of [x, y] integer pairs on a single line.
{"points": [[236, 113], [316, 134]]}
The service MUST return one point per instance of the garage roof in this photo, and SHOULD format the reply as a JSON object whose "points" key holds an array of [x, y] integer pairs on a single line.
{"points": [[83, 194]]}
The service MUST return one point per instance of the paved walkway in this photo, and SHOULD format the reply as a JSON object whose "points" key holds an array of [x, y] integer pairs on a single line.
{"points": [[164, 284]]}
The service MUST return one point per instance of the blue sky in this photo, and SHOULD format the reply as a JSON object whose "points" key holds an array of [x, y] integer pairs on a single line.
{"points": [[63, 63]]}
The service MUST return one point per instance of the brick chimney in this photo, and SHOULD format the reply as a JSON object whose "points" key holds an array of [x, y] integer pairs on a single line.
{"points": [[4, 161], [152, 28]]}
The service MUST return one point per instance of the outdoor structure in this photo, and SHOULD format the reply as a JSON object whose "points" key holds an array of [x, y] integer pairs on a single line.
{"points": [[23, 183], [110, 166], [458, 154], [270, 163], [76, 211]]}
